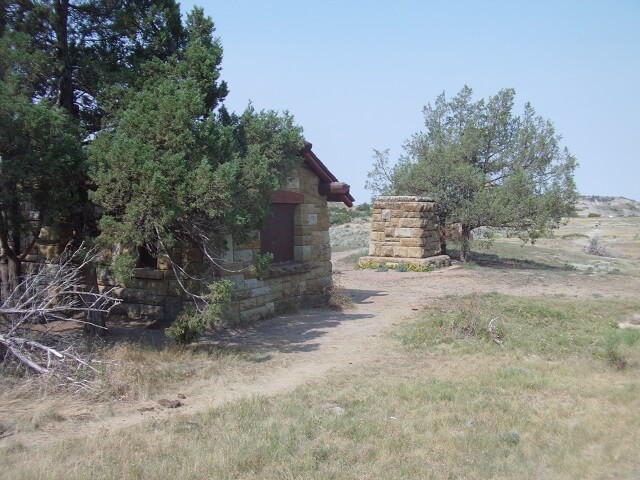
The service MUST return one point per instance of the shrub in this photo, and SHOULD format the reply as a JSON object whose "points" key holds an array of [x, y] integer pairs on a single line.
{"points": [[622, 348], [364, 207], [262, 263], [191, 324], [342, 215], [594, 247]]}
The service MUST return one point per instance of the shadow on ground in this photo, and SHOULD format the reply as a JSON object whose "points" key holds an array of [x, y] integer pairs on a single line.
{"points": [[294, 332], [489, 260], [291, 333]]}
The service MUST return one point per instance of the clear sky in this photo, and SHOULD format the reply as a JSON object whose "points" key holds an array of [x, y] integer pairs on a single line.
{"points": [[355, 74]]}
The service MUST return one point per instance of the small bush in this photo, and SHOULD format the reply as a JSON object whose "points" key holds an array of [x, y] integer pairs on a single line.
{"points": [[594, 247], [341, 215], [400, 267], [333, 296], [622, 348], [593, 215], [368, 265], [411, 267], [364, 207], [190, 324], [262, 263]]}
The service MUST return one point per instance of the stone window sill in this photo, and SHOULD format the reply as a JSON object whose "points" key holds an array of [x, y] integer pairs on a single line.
{"points": [[286, 268], [147, 273]]}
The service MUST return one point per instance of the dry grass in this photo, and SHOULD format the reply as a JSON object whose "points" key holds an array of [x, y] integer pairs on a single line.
{"points": [[128, 373], [450, 404], [335, 297], [558, 396], [568, 248]]}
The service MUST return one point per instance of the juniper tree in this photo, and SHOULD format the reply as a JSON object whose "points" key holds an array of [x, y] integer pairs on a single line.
{"points": [[485, 165], [172, 165]]}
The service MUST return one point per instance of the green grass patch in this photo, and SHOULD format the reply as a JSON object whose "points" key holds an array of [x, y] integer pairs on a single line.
{"points": [[399, 267], [622, 348], [472, 417], [446, 401], [353, 258], [552, 327]]}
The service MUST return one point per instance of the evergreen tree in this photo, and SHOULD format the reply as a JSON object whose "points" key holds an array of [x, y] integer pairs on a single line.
{"points": [[485, 166], [39, 155], [173, 165]]}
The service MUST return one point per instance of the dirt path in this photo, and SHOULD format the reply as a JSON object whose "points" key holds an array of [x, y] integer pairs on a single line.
{"points": [[305, 346]]}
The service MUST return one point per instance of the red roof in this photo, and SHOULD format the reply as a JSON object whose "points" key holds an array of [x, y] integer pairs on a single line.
{"points": [[329, 186]]}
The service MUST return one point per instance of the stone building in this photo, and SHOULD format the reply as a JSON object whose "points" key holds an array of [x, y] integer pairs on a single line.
{"points": [[405, 229], [297, 233]]}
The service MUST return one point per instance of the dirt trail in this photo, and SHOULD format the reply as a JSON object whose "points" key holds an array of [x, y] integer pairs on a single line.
{"points": [[305, 346]]}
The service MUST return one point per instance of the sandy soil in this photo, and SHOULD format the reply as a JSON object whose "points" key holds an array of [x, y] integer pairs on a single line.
{"points": [[305, 346]]}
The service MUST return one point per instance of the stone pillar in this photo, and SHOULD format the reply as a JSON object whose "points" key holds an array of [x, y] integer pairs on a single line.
{"points": [[405, 229]]}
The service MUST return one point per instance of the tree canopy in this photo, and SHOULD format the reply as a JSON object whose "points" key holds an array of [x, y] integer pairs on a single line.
{"points": [[124, 98], [172, 166], [40, 157], [485, 165]]}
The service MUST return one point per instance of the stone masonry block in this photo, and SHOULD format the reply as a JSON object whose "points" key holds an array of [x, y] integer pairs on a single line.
{"points": [[131, 310], [172, 307], [148, 273], [384, 251], [106, 277], [154, 287], [416, 252], [252, 283], [302, 253], [259, 291], [191, 255], [243, 255], [152, 311], [418, 207], [415, 223], [403, 232], [310, 219], [416, 242], [400, 251]]}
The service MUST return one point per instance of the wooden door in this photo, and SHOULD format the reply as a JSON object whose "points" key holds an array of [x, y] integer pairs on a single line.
{"points": [[277, 235]]}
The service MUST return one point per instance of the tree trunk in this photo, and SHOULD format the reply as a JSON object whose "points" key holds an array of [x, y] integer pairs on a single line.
{"points": [[96, 323], [65, 88], [465, 243], [442, 230], [10, 274], [4, 278]]}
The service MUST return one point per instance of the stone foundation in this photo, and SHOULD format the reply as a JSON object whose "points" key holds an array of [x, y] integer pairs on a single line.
{"points": [[405, 229]]}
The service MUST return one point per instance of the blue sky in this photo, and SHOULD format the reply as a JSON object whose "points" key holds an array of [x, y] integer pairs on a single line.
{"points": [[356, 74]]}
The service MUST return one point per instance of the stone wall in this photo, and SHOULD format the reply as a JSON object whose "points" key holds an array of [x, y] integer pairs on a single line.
{"points": [[405, 229], [155, 293]]}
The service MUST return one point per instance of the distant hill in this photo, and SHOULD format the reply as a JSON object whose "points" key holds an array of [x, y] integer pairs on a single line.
{"points": [[607, 206]]}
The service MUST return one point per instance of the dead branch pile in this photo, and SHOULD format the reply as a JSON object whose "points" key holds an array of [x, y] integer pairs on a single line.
{"points": [[50, 293]]}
